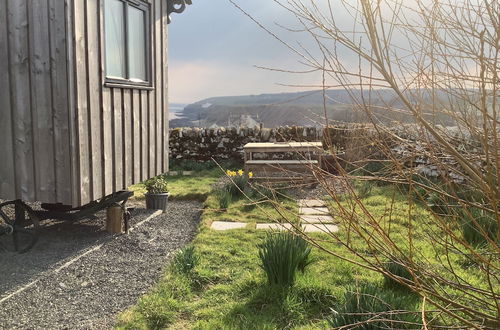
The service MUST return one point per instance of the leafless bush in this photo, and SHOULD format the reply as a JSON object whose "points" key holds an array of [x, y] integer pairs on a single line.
{"points": [[440, 61]]}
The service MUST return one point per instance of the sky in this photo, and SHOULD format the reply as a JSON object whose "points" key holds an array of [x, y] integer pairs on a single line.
{"points": [[214, 48]]}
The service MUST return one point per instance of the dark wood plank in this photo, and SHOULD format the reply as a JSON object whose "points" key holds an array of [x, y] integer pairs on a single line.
{"points": [[82, 109], [60, 102], [41, 100], [94, 88], [117, 140], [164, 89], [136, 135], [151, 134], [21, 99], [72, 101], [107, 129], [127, 138], [7, 168], [144, 135], [159, 86]]}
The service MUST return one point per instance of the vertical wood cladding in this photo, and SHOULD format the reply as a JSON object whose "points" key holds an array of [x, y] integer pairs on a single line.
{"points": [[64, 136]]}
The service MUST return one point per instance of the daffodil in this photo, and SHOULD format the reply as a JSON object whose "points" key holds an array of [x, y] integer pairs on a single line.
{"points": [[250, 175], [240, 172]]}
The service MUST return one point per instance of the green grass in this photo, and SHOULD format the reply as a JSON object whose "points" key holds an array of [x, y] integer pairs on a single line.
{"points": [[227, 289], [181, 187], [242, 210]]}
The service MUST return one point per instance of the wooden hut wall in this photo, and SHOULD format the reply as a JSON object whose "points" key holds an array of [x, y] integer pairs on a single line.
{"points": [[64, 136], [120, 133], [34, 120]]}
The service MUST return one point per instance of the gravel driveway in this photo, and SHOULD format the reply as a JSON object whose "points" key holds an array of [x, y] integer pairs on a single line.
{"points": [[112, 271]]}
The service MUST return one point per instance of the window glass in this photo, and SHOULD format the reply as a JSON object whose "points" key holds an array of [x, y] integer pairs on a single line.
{"points": [[115, 38], [137, 43]]}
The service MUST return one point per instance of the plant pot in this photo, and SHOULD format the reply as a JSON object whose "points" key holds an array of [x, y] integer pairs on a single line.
{"points": [[157, 201]]}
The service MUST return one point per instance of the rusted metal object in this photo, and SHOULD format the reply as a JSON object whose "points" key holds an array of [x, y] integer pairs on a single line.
{"points": [[23, 226]]}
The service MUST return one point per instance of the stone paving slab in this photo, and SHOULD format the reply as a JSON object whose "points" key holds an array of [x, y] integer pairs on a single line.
{"points": [[314, 211], [316, 219], [274, 226], [318, 228], [226, 225], [311, 203]]}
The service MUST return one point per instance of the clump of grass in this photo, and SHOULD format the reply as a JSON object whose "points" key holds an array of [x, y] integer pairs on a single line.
{"points": [[282, 254], [439, 204], [364, 189], [370, 307], [477, 226], [240, 182], [224, 197], [399, 270], [185, 260]]}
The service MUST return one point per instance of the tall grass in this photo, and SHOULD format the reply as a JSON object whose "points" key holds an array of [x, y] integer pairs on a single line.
{"points": [[477, 226], [236, 188], [282, 254], [369, 307], [397, 269], [185, 260], [224, 197]]}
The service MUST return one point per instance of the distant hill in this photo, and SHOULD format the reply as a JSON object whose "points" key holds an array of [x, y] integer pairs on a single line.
{"points": [[302, 108]]}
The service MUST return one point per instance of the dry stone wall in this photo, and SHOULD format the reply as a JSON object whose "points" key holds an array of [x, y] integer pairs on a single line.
{"points": [[355, 142], [201, 144]]}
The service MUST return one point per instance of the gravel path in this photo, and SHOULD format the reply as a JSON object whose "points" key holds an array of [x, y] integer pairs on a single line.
{"points": [[89, 293]]}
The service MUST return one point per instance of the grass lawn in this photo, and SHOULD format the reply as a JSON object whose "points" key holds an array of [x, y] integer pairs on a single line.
{"points": [[228, 289], [193, 187], [243, 210]]}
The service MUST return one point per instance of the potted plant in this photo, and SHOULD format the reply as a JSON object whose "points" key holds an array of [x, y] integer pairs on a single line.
{"points": [[157, 193]]}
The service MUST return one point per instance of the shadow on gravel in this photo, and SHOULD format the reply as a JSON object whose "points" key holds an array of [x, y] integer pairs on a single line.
{"points": [[57, 243], [89, 293]]}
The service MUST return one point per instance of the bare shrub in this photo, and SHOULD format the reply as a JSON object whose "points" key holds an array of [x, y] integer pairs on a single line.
{"points": [[431, 67]]}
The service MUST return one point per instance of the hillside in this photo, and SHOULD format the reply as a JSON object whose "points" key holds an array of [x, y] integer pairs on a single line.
{"points": [[302, 108]]}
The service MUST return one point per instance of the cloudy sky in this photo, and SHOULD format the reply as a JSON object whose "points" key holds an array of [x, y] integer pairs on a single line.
{"points": [[214, 48]]}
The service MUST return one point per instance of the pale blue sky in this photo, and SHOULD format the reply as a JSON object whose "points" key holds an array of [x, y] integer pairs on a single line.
{"points": [[213, 49]]}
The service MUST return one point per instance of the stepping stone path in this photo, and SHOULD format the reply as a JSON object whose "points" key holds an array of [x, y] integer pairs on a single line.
{"points": [[311, 203], [274, 226], [318, 228], [314, 210], [314, 217], [226, 225]]}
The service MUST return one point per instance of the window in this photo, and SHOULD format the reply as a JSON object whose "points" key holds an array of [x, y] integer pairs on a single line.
{"points": [[127, 41]]}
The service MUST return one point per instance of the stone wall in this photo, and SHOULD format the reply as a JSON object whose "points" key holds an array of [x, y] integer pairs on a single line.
{"points": [[356, 142], [201, 144]]}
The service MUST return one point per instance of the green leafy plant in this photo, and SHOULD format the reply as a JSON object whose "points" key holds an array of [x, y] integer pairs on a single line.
{"points": [[156, 185], [364, 188], [478, 225], [185, 260], [369, 307], [281, 255], [224, 197], [397, 269]]}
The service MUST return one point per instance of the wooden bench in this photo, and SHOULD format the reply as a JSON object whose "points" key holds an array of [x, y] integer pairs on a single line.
{"points": [[308, 154]]}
